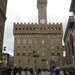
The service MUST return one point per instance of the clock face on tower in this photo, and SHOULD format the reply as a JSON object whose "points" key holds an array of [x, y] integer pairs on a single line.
{"points": [[42, 21]]}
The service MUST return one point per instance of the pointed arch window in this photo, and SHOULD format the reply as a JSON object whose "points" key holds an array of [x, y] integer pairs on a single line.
{"points": [[58, 53], [52, 53], [24, 41], [30, 41], [52, 41], [18, 41], [24, 53], [42, 41], [57, 41], [18, 53]]}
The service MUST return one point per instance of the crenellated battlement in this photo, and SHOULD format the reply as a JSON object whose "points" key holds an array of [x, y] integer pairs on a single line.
{"points": [[54, 23], [21, 23]]}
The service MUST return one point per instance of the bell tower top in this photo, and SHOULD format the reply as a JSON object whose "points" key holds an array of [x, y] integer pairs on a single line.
{"points": [[42, 16], [41, 2]]}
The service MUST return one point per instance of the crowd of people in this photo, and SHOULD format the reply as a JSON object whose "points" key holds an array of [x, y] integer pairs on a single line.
{"points": [[63, 71], [33, 71], [18, 71]]}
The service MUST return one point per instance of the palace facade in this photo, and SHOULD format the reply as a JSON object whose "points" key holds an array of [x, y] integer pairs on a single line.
{"points": [[40, 44]]}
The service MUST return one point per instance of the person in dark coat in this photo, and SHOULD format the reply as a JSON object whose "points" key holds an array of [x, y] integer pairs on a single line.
{"points": [[31, 71], [20, 70], [14, 71], [26, 71]]}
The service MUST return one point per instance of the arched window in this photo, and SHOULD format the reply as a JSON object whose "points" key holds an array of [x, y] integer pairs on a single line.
{"points": [[18, 41], [24, 41], [42, 41], [52, 41], [58, 53], [30, 41], [57, 41], [52, 53]]}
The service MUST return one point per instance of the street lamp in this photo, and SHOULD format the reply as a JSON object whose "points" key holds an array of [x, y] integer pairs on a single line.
{"points": [[0, 67]]}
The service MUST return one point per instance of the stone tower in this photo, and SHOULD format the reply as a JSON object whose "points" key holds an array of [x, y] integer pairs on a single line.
{"points": [[3, 5], [38, 45], [42, 16]]}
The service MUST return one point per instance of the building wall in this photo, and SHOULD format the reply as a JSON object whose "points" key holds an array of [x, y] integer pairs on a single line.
{"points": [[69, 37], [11, 61], [45, 40], [3, 4], [5, 59], [38, 45], [68, 45]]}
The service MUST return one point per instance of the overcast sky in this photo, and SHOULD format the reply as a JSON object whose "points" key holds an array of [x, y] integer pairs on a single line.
{"points": [[26, 11]]}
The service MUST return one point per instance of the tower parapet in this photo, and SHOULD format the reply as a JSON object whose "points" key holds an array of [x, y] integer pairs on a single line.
{"points": [[37, 28], [18, 23], [54, 23], [41, 1]]}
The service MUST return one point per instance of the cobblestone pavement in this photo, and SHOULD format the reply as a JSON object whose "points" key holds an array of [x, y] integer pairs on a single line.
{"points": [[42, 73]]}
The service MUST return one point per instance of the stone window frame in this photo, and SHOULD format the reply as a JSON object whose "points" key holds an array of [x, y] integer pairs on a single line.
{"points": [[24, 53], [58, 47], [35, 61], [24, 41], [43, 60], [48, 28], [34, 28], [30, 41], [18, 53], [57, 41], [55, 28], [44, 28], [16, 28], [52, 28], [19, 28], [58, 53], [52, 41], [30, 28], [30, 53], [52, 47], [43, 41], [18, 41], [59, 28], [52, 53], [27, 28], [23, 28], [37, 28], [40, 28]]}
